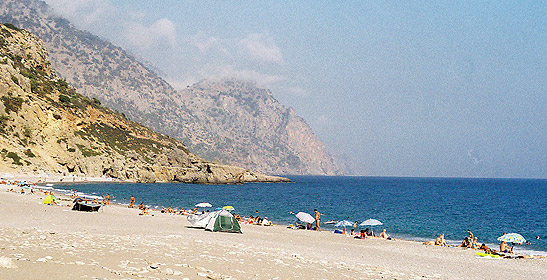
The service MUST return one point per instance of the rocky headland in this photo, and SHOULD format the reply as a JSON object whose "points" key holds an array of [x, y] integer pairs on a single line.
{"points": [[46, 127]]}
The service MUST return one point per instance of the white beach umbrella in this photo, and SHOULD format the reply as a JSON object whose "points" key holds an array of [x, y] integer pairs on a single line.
{"points": [[344, 223], [204, 204], [305, 217], [371, 223]]}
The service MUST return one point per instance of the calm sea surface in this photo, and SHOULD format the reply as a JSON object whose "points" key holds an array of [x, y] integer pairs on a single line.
{"points": [[410, 208]]}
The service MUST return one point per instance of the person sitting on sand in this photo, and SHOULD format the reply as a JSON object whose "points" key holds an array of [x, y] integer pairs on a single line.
{"points": [[384, 234], [487, 250], [352, 232], [144, 211], [250, 220], [237, 217], [169, 210], [181, 211], [440, 241], [466, 243], [504, 248], [475, 243], [141, 206]]}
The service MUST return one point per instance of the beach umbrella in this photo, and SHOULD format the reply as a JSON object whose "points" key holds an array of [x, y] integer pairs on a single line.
{"points": [[305, 217], [371, 223], [49, 199], [204, 204], [228, 208], [344, 223], [512, 237]]}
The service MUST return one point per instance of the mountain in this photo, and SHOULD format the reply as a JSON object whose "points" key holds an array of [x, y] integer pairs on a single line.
{"points": [[278, 142], [252, 126], [47, 127]]}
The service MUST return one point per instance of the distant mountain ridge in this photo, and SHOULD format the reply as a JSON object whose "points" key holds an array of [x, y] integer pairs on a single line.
{"points": [[46, 127], [277, 142]]}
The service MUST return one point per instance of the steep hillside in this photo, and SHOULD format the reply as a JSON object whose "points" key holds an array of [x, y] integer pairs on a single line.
{"points": [[98, 69], [252, 126], [46, 127]]}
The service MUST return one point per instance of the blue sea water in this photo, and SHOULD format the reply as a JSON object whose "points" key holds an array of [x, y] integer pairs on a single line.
{"points": [[410, 208]]}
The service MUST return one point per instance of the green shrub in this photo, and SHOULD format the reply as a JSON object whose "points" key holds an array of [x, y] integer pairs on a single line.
{"points": [[64, 99], [29, 153], [87, 152], [12, 104], [14, 79], [27, 132], [96, 101], [72, 150], [11, 26], [3, 123], [15, 157]]}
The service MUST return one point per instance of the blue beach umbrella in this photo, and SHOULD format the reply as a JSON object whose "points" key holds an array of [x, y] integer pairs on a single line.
{"points": [[344, 223], [512, 237]]}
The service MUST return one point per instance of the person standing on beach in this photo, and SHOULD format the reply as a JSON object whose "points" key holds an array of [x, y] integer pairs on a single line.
{"points": [[317, 219], [131, 201], [107, 199], [470, 235]]}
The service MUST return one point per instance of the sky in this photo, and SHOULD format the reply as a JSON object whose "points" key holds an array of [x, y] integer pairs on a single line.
{"points": [[396, 88]]}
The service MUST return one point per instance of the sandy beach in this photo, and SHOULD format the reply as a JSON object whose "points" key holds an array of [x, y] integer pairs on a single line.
{"points": [[40, 241]]}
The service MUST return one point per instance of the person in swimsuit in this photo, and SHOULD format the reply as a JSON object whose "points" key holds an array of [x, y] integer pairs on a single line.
{"points": [[131, 201], [504, 248], [317, 219], [440, 241]]}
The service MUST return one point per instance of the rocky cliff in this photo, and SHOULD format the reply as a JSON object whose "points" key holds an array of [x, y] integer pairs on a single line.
{"points": [[46, 127], [250, 125], [278, 142]]}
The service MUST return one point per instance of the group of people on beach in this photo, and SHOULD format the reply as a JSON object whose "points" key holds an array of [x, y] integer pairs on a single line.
{"points": [[471, 242]]}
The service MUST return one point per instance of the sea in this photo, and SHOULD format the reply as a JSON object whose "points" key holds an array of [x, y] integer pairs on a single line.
{"points": [[410, 208]]}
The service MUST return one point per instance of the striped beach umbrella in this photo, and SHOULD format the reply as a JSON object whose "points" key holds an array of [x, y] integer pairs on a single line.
{"points": [[512, 237]]}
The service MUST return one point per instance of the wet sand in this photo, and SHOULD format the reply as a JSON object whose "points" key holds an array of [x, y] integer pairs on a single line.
{"points": [[52, 242]]}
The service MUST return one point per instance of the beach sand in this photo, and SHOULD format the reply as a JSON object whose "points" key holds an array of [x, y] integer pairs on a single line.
{"points": [[52, 242]]}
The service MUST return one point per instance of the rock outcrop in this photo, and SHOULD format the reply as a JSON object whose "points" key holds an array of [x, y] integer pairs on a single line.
{"points": [[250, 125], [47, 127], [277, 142]]}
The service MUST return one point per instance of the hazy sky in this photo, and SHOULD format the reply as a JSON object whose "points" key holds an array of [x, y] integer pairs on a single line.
{"points": [[404, 88]]}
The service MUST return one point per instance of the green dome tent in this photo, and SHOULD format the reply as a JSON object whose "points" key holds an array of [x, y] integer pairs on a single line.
{"points": [[223, 221]]}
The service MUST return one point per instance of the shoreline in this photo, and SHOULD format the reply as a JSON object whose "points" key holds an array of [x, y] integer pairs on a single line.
{"points": [[117, 243], [156, 208]]}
